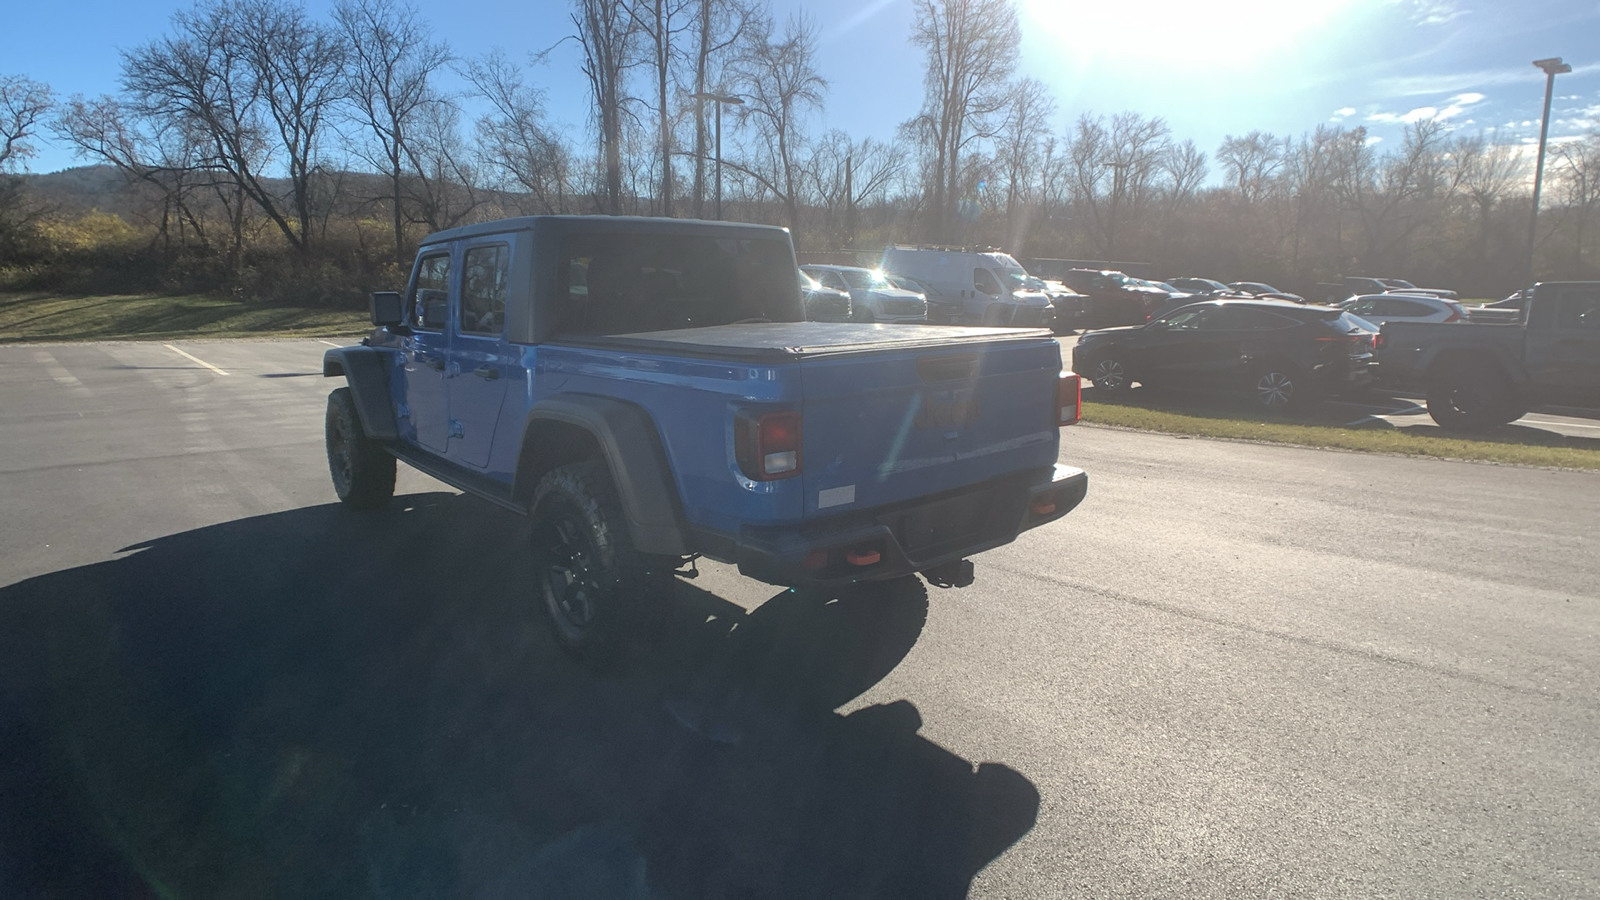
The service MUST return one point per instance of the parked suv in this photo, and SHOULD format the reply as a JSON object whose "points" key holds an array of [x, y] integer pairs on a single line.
{"points": [[872, 297], [1281, 353], [1383, 308], [1115, 298]]}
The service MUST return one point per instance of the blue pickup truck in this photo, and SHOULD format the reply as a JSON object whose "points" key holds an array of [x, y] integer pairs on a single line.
{"points": [[647, 391]]}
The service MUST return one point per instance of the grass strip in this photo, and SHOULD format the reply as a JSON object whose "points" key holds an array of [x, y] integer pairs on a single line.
{"points": [[1541, 450], [47, 317]]}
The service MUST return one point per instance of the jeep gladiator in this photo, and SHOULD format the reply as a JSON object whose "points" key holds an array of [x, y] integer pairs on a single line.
{"points": [[1481, 375], [647, 392]]}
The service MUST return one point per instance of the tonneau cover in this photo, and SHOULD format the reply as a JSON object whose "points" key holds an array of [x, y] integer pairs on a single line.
{"points": [[781, 341]]}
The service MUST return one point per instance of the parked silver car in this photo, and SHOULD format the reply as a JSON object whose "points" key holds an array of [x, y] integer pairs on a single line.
{"points": [[1381, 308]]}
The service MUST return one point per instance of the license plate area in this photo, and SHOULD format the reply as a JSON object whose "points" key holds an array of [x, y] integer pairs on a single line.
{"points": [[932, 528]]}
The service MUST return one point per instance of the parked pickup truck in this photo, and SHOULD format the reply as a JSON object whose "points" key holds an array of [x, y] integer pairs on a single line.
{"points": [[645, 390], [1480, 375]]}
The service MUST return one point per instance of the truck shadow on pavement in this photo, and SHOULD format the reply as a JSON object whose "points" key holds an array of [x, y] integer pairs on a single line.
{"points": [[327, 703]]}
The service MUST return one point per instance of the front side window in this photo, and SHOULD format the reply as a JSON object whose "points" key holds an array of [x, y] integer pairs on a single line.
{"points": [[1184, 320], [1578, 309], [430, 296], [484, 272], [983, 281]]}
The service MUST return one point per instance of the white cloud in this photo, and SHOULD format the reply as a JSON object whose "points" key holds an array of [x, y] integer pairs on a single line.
{"points": [[1455, 106], [1373, 139], [1455, 82], [1432, 12], [1339, 115]]}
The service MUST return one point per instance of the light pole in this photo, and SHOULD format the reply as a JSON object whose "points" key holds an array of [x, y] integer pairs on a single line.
{"points": [[720, 100], [1552, 67]]}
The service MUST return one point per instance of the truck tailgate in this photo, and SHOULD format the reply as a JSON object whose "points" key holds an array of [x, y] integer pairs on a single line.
{"points": [[886, 424]]}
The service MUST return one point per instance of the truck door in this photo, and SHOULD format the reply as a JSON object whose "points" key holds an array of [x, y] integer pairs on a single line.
{"points": [[1563, 343], [479, 366], [425, 352]]}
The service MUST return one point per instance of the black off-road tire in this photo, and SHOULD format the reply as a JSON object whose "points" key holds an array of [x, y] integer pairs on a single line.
{"points": [[603, 597], [1468, 399], [363, 473]]}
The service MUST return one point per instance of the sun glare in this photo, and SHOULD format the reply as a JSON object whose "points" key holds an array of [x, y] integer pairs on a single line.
{"points": [[1221, 34]]}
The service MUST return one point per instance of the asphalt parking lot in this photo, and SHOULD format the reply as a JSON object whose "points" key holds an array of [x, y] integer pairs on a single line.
{"points": [[1235, 671]]}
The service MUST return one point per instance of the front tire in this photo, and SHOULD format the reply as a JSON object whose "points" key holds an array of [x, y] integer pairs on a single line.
{"points": [[601, 595], [363, 473]]}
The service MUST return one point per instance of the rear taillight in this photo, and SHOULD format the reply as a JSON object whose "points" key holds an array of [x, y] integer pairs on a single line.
{"points": [[1069, 398], [767, 445], [1377, 342], [1454, 316]]}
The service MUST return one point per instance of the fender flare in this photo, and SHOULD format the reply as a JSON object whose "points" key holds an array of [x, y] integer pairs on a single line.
{"points": [[366, 370], [631, 445]]}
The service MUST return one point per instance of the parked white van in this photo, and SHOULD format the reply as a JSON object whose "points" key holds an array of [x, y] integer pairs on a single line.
{"points": [[971, 287]]}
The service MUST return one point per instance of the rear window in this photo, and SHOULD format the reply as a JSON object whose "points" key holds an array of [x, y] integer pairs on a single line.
{"points": [[634, 283]]}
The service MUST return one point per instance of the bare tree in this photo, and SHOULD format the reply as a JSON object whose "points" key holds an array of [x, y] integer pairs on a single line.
{"points": [[660, 23], [778, 77], [1577, 176], [392, 61], [606, 31], [441, 184], [1024, 125], [1487, 170], [169, 159], [845, 174], [298, 66], [720, 25], [23, 105], [1114, 169], [1250, 162], [513, 138], [1186, 169], [971, 48]]}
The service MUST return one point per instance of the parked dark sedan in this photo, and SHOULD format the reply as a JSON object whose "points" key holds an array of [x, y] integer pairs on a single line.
{"points": [[1115, 298], [1204, 288], [823, 304], [1281, 353]]}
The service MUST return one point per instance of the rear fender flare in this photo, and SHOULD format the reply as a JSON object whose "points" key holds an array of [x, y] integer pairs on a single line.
{"points": [[629, 442], [366, 370]]}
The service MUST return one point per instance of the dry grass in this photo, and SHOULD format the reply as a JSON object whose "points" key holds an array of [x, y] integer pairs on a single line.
{"points": [[49, 317]]}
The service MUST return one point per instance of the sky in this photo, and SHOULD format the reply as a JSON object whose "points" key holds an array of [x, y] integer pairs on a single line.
{"points": [[1210, 69]]}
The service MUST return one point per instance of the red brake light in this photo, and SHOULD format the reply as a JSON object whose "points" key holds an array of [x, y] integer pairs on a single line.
{"points": [[1454, 316], [1069, 398], [767, 445]]}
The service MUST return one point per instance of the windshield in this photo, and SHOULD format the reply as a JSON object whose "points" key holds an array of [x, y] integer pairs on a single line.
{"points": [[864, 280], [1018, 279]]}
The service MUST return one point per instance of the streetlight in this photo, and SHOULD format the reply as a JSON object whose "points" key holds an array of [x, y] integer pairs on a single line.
{"points": [[720, 100], [1552, 67]]}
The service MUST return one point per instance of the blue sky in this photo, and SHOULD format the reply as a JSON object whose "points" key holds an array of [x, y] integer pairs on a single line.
{"points": [[1209, 68]]}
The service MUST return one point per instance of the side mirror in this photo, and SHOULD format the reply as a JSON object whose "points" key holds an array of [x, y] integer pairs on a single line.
{"points": [[434, 315], [387, 308]]}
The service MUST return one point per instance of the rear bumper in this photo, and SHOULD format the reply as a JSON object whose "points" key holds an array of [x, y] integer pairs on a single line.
{"points": [[909, 537]]}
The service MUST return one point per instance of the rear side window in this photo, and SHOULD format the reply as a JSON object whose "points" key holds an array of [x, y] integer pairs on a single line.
{"points": [[1412, 308], [637, 283], [431, 292], [484, 271]]}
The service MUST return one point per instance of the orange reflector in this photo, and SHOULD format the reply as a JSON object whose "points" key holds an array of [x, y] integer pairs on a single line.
{"points": [[816, 559], [863, 557], [1042, 507]]}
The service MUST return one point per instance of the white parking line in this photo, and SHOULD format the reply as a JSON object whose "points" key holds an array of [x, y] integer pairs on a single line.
{"points": [[59, 373], [329, 343], [193, 358]]}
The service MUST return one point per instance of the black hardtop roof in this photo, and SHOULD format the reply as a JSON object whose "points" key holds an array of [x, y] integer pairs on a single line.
{"points": [[615, 224]]}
